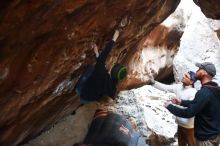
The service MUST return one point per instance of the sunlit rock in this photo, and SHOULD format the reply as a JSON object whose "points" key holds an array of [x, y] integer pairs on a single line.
{"points": [[145, 105], [199, 43], [155, 53], [45, 46], [142, 107]]}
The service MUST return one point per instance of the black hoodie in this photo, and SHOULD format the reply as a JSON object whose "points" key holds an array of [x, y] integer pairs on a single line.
{"points": [[100, 83], [206, 109]]}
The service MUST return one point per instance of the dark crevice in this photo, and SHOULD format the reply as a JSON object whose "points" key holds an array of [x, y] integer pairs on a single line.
{"points": [[168, 80]]}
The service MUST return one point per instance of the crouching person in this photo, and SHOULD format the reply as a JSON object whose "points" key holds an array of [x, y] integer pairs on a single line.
{"points": [[111, 129]]}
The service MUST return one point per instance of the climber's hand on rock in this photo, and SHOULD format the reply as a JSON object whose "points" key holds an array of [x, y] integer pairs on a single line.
{"points": [[95, 49], [116, 34]]}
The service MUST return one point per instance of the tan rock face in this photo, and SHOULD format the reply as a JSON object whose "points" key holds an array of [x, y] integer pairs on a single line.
{"points": [[210, 8], [44, 43], [153, 57]]}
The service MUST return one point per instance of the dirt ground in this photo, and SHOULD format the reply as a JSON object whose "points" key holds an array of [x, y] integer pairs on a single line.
{"points": [[72, 129]]}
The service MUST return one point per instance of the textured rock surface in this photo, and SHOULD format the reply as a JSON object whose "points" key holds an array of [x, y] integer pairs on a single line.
{"points": [[43, 43], [142, 107], [210, 8], [44, 46], [156, 51], [145, 105], [200, 43], [154, 57]]}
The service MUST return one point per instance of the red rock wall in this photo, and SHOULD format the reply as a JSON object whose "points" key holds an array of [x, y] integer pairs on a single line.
{"points": [[43, 43]]}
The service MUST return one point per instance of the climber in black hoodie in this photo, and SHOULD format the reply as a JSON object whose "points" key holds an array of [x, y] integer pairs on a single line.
{"points": [[205, 107], [98, 82]]}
